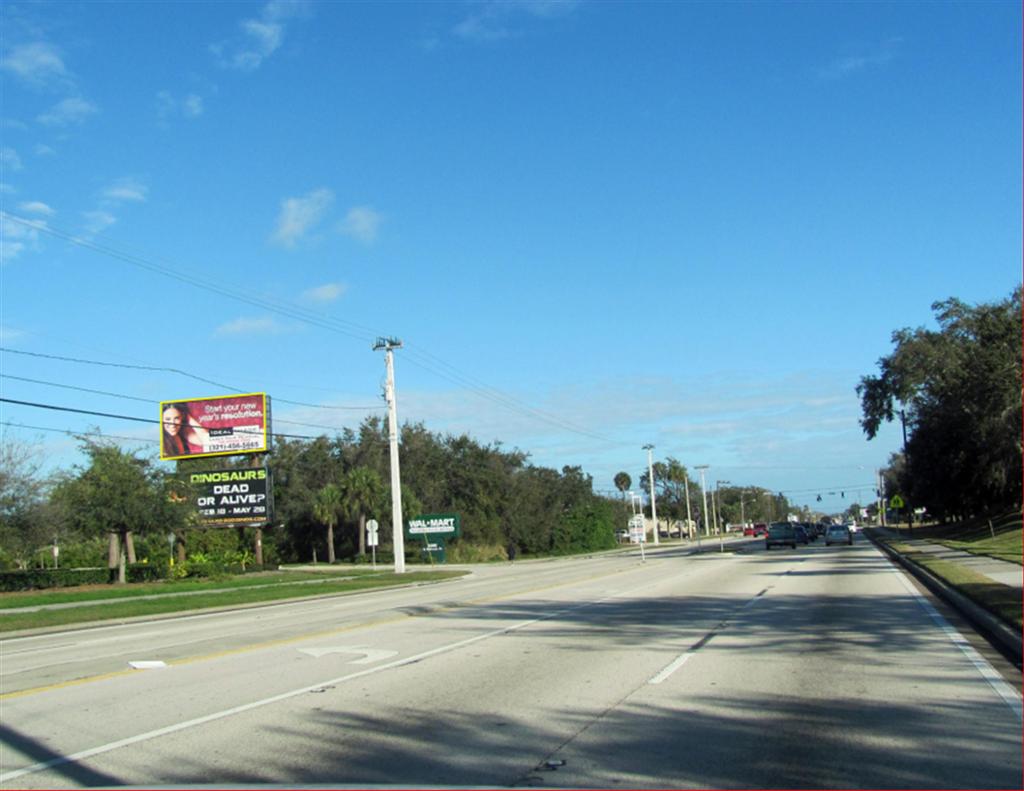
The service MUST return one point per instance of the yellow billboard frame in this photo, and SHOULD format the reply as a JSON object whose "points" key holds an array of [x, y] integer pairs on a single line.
{"points": [[265, 401]]}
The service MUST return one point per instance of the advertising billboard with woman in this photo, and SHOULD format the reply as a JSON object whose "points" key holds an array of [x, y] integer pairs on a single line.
{"points": [[214, 426]]}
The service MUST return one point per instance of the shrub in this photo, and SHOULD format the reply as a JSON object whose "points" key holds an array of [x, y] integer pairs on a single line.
{"points": [[459, 552], [38, 579]]}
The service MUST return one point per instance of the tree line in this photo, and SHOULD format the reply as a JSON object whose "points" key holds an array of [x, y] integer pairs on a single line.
{"points": [[120, 506], [957, 392]]}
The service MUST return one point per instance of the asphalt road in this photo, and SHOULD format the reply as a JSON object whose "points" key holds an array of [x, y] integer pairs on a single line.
{"points": [[816, 668]]}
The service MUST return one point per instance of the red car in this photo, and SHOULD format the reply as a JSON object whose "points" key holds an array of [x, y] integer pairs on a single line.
{"points": [[760, 529]]}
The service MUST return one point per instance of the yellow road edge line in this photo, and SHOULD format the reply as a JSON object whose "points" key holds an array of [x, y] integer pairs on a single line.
{"points": [[287, 640]]}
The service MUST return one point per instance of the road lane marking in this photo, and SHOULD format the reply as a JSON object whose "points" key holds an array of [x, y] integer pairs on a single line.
{"points": [[1001, 688], [369, 655], [680, 660], [683, 658], [389, 615], [317, 687]]}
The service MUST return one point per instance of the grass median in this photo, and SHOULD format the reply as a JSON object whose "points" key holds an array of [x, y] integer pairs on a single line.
{"points": [[1001, 600], [998, 536], [98, 603]]}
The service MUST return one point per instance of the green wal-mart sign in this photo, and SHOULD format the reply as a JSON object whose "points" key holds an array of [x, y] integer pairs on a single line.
{"points": [[434, 526]]}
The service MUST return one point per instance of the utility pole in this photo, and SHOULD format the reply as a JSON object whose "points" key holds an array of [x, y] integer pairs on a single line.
{"points": [[704, 494], [686, 488], [721, 528], [906, 474], [881, 498], [650, 480], [398, 536]]}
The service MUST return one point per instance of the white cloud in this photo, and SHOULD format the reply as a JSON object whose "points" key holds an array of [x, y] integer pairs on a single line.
{"points": [[10, 334], [43, 150], [361, 223], [261, 37], [494, 20], [192, 106], [325, 293], [73, 110], [299, 215], [265, 35], [37, 64], [245, 326], [17, 235], [98, 221], [168, 106], [126, 190], [36, 207], [873, 58], [9, 159]]}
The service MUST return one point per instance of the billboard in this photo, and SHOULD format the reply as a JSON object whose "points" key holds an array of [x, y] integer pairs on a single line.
{"points": [[215, 426], [232, 497]]}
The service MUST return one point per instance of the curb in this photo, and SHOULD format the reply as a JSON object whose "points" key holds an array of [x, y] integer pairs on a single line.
{"points": [[1001, 635]]}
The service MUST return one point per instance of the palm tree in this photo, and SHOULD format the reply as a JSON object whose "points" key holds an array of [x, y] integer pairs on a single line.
{"points": [[325, 510], [622, 483], [363, 494]]}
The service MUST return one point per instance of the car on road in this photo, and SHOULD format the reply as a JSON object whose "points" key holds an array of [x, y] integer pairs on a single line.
{"points": [[780, 534], [759, 529], [802, 536], [838, 534]]}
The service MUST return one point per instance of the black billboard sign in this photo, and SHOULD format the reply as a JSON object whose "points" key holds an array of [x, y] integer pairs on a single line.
{"points": [[233, 497]]}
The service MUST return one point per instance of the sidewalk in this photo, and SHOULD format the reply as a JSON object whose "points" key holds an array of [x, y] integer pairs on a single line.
{"points": [[1001, 571]]}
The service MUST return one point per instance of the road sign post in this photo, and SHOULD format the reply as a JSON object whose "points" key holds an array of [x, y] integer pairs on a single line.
{"points": [[371, 539]]}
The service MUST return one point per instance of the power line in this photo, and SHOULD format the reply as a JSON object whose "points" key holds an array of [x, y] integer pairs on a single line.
{"points": [[79, 433], [176, 371], [332, 324], [57, 408], [143, 400]]}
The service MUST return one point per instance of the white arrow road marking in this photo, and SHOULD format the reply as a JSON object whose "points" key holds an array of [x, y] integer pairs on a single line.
{"points": [[147, 664], [370, 655]]}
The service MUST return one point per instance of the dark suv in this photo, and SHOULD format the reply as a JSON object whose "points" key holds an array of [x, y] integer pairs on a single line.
{"points": [[781, 534]]}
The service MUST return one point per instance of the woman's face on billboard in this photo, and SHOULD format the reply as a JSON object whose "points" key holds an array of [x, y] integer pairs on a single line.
{"points": [[172, 421]]}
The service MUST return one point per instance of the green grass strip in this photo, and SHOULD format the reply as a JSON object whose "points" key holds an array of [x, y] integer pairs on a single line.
{"points": [[1005, 546], [250, 595], [170, 587], [1001, 600]]}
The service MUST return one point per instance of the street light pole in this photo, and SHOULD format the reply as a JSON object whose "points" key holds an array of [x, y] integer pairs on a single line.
{"points": [[689, 521], [650, 480], [906, 470], [718, 496], [704, 495]]}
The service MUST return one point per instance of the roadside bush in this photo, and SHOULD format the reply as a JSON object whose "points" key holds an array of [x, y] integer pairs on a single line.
{"points": [[146, 572], [39, 579], [458, 552]]}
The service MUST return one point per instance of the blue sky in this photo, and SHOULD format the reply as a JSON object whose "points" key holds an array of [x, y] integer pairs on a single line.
{"points": [[595, 225]]}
